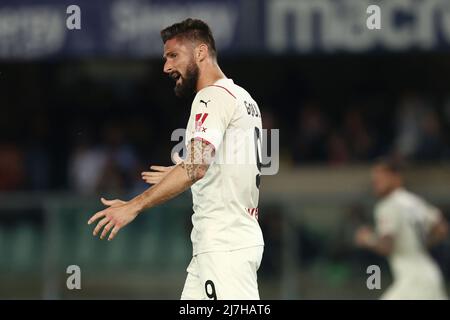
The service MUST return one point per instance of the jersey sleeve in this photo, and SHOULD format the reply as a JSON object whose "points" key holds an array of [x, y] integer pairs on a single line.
{"points": [[211, 113], [386, 220], [432, 216]]}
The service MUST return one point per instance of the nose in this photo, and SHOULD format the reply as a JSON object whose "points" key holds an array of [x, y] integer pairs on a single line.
{"points": [[167, 67]]}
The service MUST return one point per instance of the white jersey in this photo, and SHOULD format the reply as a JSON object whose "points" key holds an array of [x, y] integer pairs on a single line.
{"points": [[408, 219], [225, 200]]}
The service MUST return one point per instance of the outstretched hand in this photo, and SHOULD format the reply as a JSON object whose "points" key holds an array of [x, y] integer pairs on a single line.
{"points": [[116, 216]]}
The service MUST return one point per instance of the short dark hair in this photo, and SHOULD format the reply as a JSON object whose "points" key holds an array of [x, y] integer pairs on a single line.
{"points": [[192, 29], [392, 164]]}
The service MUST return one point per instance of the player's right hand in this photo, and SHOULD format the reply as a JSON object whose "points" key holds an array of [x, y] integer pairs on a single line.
{"points": [[159, 172]]}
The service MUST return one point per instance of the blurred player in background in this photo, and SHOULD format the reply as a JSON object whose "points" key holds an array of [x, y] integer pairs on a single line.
{"points": [[406, 226], [226, 237]]}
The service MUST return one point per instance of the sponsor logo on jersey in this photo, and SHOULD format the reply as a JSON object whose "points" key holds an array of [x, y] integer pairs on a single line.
{"points": [[205, 102]]}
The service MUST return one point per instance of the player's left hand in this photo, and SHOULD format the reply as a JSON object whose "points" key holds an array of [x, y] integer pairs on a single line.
{"points": [[116, 216], [364, 236]]}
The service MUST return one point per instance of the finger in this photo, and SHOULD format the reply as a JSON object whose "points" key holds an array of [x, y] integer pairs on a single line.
{"points": [[153, 174], [155, 178], [158, 175], [176, 158], [100, 225], [151, 180], [96, 216], [160, 168], [113, 233], [106, 229], [111, 202]]}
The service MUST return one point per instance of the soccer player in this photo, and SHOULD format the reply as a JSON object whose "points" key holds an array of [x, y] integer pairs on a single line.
{"points": [[226, 237], [405, 226]]}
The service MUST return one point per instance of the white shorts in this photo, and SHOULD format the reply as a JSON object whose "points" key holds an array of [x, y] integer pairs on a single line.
{"points": [[224, 275], [424, 283], [398, 292]]}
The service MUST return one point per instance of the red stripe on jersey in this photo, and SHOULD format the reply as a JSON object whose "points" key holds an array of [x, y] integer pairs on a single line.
{"points": [[200, 118], [215, 85], [253, 212]]}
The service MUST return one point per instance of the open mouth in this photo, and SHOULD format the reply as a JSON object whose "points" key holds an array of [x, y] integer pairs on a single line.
{"points": [[176, 76]]}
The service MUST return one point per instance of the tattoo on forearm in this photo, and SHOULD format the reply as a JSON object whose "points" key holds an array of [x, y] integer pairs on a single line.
{"points": [[199, 157]]}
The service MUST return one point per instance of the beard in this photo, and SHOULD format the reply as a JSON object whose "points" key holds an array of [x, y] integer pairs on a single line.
{"points": [[188, 83]]}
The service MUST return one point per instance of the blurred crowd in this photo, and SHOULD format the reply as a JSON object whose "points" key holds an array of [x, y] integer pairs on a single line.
{"points": [[109, 163], [110, 159], [93, 126], [414, 129]]}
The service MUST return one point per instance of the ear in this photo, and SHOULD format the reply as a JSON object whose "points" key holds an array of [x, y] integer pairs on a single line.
{"points": [[201, 52]]}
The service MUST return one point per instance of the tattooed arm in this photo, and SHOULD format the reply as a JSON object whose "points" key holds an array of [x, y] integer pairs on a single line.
{"points": [[120, 213], [199, 157], [185, 174]]}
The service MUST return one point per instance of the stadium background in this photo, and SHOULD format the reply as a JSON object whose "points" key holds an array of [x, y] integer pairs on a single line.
{"points": [[83, 112]]}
